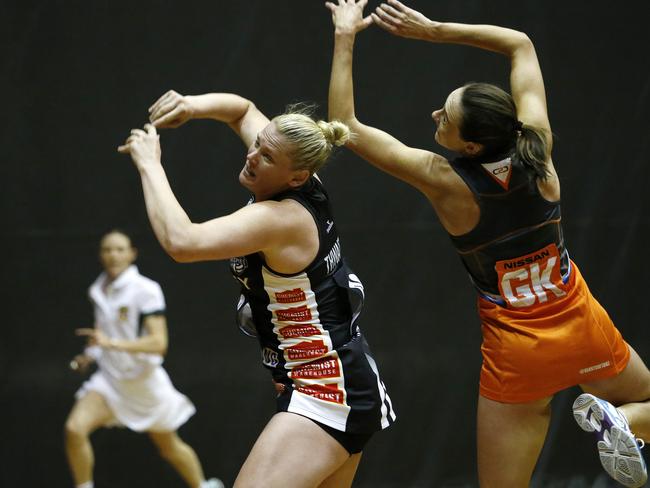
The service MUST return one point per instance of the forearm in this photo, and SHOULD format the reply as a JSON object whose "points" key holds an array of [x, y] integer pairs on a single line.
{"points": [[148, 344], [492, 38], [341, 89], [169, 221], [224, 107]]}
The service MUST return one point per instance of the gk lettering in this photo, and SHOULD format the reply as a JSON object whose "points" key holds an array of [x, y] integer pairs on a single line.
{"points": [[524, 286]]}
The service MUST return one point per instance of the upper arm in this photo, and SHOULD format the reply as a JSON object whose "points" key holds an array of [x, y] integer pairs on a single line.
{"points": [[156, 326], [527, 86], [254, 228], [416, 167], [250, 124]]}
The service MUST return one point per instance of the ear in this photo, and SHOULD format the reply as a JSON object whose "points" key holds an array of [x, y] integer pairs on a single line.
{"points": [[299, 178], [134, 251], [473, 148]]}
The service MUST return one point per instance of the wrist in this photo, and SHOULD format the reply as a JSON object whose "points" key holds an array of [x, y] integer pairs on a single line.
{"points": [[191, 106], [342, 33], [149, 165]]}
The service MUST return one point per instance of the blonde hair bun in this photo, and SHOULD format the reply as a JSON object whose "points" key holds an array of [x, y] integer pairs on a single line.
{"points": [[335, 132]]}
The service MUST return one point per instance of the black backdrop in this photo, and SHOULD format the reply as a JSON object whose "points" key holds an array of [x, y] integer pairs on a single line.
{"points": [[77, 76]]}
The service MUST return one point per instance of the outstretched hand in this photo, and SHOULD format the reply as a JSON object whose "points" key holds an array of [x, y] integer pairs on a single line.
{"points": [[347, 16], [170, 111], [144, 147], [398, 19]]}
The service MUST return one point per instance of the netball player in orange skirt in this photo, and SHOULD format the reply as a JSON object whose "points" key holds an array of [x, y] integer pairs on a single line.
{"points": [[499, 200]]}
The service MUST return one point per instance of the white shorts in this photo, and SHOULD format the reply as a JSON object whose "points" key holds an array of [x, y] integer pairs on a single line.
{"points": [[149, 403]]}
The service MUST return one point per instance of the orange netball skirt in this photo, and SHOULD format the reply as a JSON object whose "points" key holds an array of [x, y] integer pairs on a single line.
{"points": [[532, 354]]}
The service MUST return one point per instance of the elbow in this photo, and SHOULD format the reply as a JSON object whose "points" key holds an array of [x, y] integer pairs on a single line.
{"points": [[162, 347], [521, 41], [178, 247], [179, 254]]}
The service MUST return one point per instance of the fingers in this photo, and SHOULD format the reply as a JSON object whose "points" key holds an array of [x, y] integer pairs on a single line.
{"points": [[162, 100], [386, 15], [381, 23], [390, 11], [151, 129], [162, 109], [169, 119], [124, 149], [398, 5], [85, 331], [330, 6]]}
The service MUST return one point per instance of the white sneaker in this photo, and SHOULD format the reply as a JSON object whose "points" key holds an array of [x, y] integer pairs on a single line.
{"points": [[619, 451], [213, 483]]}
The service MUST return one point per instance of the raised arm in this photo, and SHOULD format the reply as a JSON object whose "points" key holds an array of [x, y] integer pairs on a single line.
{"points": [[173, 109], [526, 81], [416, 167], [265, 226]]}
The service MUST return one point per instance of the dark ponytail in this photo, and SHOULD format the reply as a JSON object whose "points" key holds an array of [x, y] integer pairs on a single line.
{"points": [[490, 119]]}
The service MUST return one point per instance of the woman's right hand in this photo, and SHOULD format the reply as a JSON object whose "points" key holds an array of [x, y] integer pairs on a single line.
{"points": [[171, 110], [348, 17], [81, 363]]}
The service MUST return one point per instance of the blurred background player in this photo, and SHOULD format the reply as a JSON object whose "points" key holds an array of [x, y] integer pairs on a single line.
{"points": [[130, 388]]}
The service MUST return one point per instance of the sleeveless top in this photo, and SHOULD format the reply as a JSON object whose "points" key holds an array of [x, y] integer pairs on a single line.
{"points": [[306, 324], [515, 255]]}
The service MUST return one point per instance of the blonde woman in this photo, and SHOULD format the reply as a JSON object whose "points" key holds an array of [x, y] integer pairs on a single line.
{"points": [[298, 296]]}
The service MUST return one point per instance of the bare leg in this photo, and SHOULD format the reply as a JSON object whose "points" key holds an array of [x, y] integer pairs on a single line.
{"points": [[294, 452], [510, 438], [630, 393], [180, 455], [343, 477], [89, 413]]}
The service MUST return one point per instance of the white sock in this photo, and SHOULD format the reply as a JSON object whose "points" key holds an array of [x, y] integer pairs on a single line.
{"points": [[87, 484]]}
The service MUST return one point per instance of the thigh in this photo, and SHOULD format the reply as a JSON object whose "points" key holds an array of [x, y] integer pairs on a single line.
{"points": [[631, 385], [89, 413], [291, 452], [343, 477], [509, 440]]}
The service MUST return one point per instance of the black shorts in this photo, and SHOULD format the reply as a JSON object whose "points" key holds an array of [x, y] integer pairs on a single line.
{"points": [[351, 442]]}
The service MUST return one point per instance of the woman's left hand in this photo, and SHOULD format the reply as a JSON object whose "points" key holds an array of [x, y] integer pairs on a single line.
{"points": [[348, 16], [143, 146], [398, 19]]}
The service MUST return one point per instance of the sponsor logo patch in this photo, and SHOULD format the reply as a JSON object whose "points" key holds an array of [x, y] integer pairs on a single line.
{"points": [[293, 331], [321, 368], [269, 357], [238, 265], [290, 296], [328, 392], [306, 350], [295, 314]]}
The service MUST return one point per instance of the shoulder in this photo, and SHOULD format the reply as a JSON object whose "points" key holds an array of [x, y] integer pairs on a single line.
{"points": [[146, 287], [441, 177], [281, 214]]}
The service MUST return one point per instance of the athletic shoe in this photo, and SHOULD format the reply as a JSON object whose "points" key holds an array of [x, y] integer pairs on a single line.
{"points": [[213, 483], [619, 451]]}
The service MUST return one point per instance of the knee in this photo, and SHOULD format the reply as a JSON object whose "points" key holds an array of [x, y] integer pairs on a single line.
{"points": [[75, 430]]}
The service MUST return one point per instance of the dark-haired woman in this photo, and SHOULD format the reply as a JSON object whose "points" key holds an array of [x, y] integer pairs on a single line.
{"points": [[499, 200]]}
